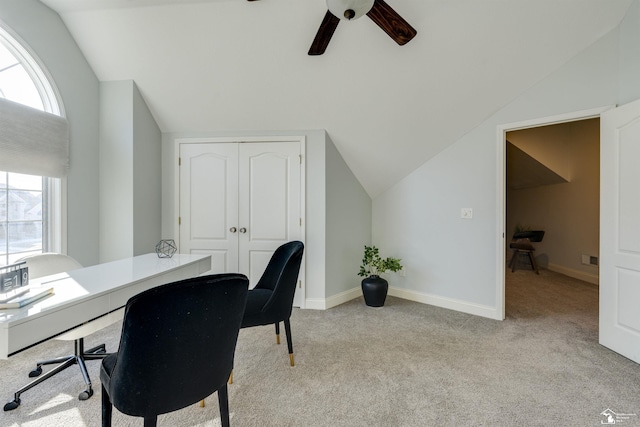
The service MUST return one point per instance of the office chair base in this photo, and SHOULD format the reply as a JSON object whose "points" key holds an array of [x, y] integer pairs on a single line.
{"points": [[78, 358]]}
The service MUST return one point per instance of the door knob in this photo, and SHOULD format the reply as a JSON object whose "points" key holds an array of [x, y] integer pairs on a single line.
{"points": [[243, 230], [233, 229]]}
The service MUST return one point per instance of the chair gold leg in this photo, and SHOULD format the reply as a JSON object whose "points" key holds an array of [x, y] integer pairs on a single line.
{"points": [[291, 359], [202, 403], [231, 377], [278, 339]]}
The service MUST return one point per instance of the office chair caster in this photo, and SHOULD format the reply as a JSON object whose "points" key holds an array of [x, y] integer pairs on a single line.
{"points": [[86, 394], [12, 405], [35, 372]]}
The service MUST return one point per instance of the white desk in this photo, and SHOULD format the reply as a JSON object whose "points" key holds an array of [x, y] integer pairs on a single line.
{"points": [[88, 293]]}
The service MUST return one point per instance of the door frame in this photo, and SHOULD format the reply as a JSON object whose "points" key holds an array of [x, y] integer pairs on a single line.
{"points": [[501, 181], [253, 139]]}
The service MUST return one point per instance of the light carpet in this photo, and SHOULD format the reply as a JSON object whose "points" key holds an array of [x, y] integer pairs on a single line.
{"points": [[405, 364]]}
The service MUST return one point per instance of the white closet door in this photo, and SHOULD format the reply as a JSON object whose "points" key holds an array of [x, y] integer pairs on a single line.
{"points": [[209, 203], [270, 205]]}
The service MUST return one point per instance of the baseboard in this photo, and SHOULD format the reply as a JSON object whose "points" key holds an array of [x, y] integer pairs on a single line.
{"points": [[333, 301], [449, 303], [580, 275]]}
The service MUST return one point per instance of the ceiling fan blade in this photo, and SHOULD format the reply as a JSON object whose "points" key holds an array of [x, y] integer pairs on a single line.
{"points": [[392, 23], [323, 37]]}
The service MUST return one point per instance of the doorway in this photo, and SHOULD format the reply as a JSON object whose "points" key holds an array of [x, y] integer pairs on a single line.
{"points": [[545, 197], [553, 181]]}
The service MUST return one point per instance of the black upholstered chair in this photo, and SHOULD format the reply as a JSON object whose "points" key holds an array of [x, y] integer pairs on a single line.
{"points": [[177, 347], [271, 300], [521, 246]]}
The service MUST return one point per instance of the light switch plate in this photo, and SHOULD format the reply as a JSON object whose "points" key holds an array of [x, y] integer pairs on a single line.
{"points": [[466, 213]]}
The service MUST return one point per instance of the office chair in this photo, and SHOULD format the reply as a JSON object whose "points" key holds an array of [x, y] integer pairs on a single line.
{"points": [[45, 264], [521, 245], [271, 300], [177, 347]]}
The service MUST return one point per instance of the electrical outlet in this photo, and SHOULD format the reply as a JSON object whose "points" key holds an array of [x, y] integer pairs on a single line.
{"points": [[466, 213]]}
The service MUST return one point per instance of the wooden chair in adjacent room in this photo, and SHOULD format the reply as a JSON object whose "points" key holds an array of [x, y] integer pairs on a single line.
{"points": [[521, 245]]}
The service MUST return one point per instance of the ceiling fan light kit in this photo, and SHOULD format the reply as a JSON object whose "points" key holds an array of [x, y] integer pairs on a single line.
{"points": [[349, 9], [377, 10]]}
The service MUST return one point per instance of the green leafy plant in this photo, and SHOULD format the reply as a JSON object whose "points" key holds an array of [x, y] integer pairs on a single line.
{"points": [[373, 264], [519, 228]]}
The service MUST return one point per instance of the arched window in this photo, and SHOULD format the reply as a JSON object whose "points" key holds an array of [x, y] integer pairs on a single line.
{"points": [[30, 205]]}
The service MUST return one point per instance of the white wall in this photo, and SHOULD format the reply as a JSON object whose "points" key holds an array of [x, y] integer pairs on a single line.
{"points": [[449, 261], [316, 216], [116, 170], [47, 36], [629, 88], [130, 183], [147, 177], [348, 212]]}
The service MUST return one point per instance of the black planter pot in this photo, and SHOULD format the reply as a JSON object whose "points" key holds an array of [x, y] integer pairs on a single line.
{"points": [[374, 289]]}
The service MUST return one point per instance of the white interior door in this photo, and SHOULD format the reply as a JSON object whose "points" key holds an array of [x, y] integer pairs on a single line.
{"points": [[269, 183], [209, 203], [620, 230]]}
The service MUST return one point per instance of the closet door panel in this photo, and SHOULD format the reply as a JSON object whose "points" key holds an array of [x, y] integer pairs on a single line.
{"points": [[209, 203], [269, 205], [267, 197]]}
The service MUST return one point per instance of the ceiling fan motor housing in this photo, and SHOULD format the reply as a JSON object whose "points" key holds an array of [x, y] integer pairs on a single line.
{"points": [[349, 9]]}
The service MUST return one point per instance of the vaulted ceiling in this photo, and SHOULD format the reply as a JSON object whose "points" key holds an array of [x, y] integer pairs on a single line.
{"points": [[225, 65]]}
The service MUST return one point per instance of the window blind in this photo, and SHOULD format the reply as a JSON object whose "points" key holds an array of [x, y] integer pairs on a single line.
{"points": [[32, 141]]}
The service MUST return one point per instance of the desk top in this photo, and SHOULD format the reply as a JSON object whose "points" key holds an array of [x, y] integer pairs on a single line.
{"points": [[87, 293]]}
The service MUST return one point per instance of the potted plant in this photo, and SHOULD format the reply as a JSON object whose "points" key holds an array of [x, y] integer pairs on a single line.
{"points": [[374, 287]]}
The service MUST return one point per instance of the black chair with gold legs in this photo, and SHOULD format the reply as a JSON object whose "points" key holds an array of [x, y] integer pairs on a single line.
{"points": [[271, 300], [177, 347]]}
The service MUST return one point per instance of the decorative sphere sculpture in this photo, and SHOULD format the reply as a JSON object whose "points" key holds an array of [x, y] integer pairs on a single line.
{"points": [[166, 248]]}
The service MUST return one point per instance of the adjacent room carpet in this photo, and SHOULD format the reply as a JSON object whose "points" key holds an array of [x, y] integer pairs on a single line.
{"points": [[405, 364]]}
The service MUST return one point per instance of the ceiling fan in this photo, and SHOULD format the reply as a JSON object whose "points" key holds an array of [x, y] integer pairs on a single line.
{"points": [[380, 12]]}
